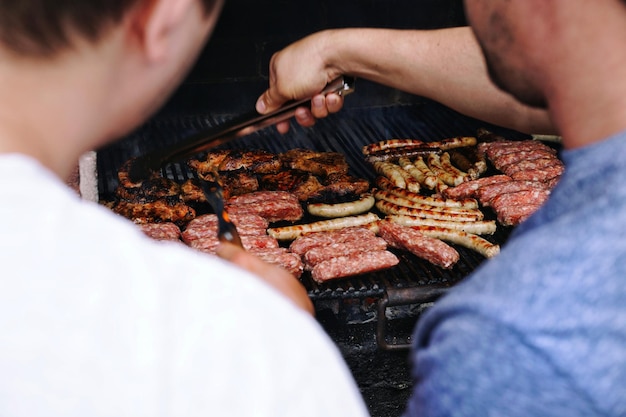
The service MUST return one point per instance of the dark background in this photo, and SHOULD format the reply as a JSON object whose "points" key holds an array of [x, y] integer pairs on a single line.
{"points": [[232, 70]]}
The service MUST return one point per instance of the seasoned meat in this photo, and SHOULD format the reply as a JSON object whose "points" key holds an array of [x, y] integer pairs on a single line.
{"points": [[301, 184], [340, 188], [210, 244], [257, 161], [238, 182], [161, 231], [359, 263], [271, 205], [489, 192], [149, 190], [322, 253], [210, 163], [281, 257], [469, 188], [206, 226], [123, 176], [318, 163], [307, 242], [433, 250], [158, 211], [191, 191]]}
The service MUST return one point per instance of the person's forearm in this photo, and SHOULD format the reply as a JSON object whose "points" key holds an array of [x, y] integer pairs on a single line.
{"points": [[445, 65]]}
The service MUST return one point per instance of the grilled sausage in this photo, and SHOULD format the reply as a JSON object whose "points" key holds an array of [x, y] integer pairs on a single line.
{"points": [[392, 155], [391, 208], [468, 240], [392, 172], [452, 143], [384, 184], [292, 232], [434, 163], [478, 227], [351, 208], [388, 144], [404, 202], [430, 178]]}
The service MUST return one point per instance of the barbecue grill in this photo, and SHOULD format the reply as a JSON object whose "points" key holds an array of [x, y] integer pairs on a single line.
{"points": [[232, 72], [414, 280]]}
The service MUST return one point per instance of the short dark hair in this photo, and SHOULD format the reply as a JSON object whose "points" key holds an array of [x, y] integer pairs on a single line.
{"points": [[41, 27]]}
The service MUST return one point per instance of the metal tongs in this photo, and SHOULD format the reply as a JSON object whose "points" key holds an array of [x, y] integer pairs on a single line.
{"points": [[213, 191], [234, 129]]}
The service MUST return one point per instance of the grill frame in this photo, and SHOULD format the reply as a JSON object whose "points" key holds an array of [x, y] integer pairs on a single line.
{"points": [[345, 132]]}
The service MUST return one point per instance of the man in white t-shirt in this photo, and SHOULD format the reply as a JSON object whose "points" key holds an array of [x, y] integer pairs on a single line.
{"points": [[95, 318]]}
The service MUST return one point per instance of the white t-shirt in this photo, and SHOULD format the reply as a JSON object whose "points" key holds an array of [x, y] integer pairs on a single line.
{"points": [[98, 320]]}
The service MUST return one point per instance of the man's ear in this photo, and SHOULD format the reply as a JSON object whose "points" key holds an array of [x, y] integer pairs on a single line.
{"points": [[154, 23]]}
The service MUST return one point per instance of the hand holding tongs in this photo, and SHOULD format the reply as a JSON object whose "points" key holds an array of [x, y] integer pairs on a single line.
{"points": [[226, 230], [236, 128]]}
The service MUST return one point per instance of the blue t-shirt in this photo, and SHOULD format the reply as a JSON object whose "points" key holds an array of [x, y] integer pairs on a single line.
{"points": [[539, 330]]}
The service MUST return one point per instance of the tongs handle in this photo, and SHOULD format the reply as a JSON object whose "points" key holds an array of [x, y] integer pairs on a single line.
{"points": [[233, 129], [226, 230]]}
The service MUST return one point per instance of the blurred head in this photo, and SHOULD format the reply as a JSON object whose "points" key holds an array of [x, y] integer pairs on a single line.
{"points": [[115, 61], [45, 27]]}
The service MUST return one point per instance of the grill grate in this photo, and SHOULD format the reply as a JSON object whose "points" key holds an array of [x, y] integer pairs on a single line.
{"points": [[345, 132]]}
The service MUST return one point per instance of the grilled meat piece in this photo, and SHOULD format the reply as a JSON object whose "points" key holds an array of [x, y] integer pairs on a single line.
{"points": [[169, 209], [354, 264], [191, 192], [233, 183], [238, 182], [149, 190], [211, 162], [161, 231], [124, 178], [271, 205], [319, 163], [257, 161], [340, 188], [301, 184]]}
